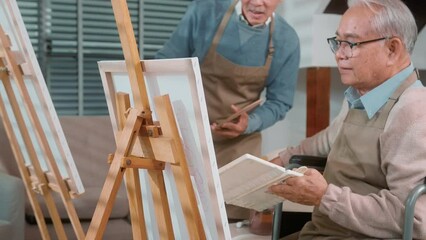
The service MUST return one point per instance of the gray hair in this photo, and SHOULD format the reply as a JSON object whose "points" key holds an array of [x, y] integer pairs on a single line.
{"points": [[392, 18]]}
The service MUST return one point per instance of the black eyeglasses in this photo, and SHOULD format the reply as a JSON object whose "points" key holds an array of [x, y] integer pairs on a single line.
{"points": [[347, 46]]}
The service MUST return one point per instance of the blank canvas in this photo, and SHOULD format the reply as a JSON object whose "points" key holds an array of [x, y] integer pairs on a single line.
{"points": [[181, 80]]}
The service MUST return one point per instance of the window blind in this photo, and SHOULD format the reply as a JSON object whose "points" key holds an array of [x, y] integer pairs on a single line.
{"points": [[71, 36]]}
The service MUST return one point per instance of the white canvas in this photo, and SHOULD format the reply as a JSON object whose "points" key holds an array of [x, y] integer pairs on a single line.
{"points": [[181, 80], [39, 97]]}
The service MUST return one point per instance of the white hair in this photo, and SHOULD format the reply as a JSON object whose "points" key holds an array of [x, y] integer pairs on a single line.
{"points": [[392, 19]]}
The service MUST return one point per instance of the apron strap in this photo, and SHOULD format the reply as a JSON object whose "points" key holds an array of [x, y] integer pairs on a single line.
{"points": [[222, 25], [271, 48]]}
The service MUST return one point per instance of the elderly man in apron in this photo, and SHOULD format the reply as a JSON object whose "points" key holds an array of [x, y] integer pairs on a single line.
{"points": [[376, 147], [244, 48]]}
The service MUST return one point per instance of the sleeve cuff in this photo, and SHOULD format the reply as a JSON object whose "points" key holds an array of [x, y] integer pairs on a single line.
{"points": [[254, 123], [330, 199], [287, 153]]}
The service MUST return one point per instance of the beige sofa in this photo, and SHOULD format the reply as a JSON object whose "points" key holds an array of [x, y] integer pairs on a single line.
{"points": [[90, 139]]}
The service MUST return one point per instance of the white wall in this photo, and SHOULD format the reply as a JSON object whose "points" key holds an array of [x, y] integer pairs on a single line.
{"points": [[292, 129]]}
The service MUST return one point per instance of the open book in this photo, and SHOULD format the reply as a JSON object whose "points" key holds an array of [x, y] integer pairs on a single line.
{"points": [[245, 182]]}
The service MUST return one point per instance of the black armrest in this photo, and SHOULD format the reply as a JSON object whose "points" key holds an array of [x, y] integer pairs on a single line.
{"points": [[310, 161]]}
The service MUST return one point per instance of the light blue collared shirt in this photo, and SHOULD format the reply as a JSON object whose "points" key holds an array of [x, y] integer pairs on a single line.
{"points": [[373, 100]]}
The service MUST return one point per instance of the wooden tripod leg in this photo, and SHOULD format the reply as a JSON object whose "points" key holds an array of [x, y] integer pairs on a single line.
{"points": [[41, 223], [114, 177], [31, 112], [41, 186], [42, 139], [134, 195], [132, 180], [133, 186], [53, 212], [180, 169], [158, 190], [162, 209]]}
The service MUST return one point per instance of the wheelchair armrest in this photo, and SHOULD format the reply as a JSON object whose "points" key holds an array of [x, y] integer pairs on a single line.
{"points": [[410, 203], [310, 161]]}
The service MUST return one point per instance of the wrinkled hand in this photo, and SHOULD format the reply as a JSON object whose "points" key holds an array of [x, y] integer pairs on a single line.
{"points": [[307, 190], [230, 129]]}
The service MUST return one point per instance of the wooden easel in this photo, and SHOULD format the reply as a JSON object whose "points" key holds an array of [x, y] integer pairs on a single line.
{"points": [[36, 181], [159, 144]]}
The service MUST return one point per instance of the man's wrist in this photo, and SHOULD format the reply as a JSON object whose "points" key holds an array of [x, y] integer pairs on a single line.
{"points": [[329, 199], [254, 123]]}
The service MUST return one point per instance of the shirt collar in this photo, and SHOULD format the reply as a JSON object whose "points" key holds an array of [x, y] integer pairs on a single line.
{"points": [[373, 100], [239, 12]]}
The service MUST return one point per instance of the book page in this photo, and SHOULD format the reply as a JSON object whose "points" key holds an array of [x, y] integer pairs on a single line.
{"points": [[246, 179], [258, 200]]}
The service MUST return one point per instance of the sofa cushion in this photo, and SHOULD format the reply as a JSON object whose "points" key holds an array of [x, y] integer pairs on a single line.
{"points": [[12, 200], [116, 229], [91, 140], [85, 205], [5, 229]]}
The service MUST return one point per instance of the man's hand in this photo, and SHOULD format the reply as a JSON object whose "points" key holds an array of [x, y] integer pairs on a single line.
{"points": [[230, 129], [307, 190]]}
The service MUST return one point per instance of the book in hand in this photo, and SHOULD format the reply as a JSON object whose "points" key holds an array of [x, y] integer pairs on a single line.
{"points": [[245, 182]]}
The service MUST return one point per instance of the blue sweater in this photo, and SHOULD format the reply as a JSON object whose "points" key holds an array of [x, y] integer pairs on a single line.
{"points": [[242, 45]]}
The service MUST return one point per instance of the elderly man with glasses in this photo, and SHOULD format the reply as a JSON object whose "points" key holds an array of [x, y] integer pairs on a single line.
{"points": [[376, 147]]}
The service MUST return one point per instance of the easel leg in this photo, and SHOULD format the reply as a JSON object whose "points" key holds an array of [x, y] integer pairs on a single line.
{"points": [[180, 169], [133, 186], [114, 178], [162, 209], [53, 211], [134, 195], [4, 77], [37, 211]]}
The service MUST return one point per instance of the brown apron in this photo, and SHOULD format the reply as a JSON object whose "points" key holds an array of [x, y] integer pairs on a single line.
{"points": [[226, 83], [355, 161]]}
